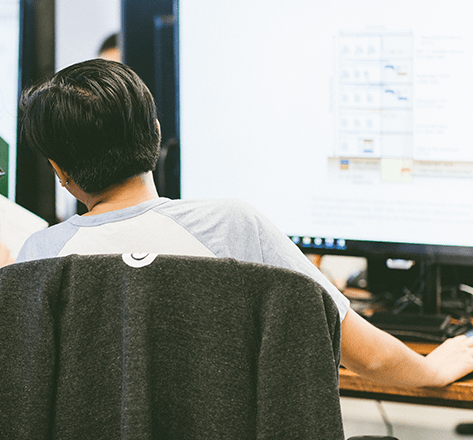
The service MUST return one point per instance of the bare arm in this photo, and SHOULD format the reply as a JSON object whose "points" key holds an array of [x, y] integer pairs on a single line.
{"points": [[5, 257], [378, 356]]}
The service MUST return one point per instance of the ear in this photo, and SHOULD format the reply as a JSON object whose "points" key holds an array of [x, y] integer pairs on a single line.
{"points": [[62, 175]]}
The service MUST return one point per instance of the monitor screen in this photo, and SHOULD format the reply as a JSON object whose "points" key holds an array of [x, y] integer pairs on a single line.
{"points": [[346, 123], [9, 83]]}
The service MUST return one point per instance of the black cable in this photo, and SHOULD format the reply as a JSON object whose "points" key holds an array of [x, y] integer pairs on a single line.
{"points": [[388, 424]]}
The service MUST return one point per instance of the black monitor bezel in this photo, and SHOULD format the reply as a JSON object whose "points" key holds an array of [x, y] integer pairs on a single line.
{"points": [[435, 254]]}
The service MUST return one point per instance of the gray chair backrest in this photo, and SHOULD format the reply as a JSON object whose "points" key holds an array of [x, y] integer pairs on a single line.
{"points": [[180, 348]]}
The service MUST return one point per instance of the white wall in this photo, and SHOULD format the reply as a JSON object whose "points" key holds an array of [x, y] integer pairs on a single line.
{"points": [[81, 27]]}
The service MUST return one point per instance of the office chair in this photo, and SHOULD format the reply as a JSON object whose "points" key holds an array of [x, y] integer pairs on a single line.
{"points": [[168, 347]]}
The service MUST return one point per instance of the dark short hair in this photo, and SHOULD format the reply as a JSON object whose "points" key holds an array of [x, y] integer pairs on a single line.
{"points": [[109, 43], [97, 120]]}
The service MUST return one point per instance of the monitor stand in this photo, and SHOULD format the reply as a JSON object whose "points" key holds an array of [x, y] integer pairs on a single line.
{"points": [[432, 295]]}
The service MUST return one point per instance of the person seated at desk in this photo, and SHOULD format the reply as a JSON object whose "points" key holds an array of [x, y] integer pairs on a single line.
{"points": [[96, 123]]}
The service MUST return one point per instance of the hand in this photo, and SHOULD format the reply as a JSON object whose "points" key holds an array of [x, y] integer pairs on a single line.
{"points": [[452, 360], [5, 257], [378, 356]]}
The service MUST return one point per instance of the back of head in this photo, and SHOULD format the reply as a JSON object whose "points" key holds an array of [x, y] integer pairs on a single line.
{"points": [[96, 120]]}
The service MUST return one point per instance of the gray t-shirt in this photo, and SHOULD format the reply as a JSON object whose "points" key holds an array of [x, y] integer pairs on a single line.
{"points": [[208, 228]]}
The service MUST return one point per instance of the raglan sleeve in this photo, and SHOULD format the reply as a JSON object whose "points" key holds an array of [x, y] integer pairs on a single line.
{"points": [[260, 241]]}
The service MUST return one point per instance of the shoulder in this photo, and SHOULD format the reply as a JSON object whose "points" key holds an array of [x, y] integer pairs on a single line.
{"points": [[216, 205], [227, 227], [46, 243], [214, 211], [234, 228]]}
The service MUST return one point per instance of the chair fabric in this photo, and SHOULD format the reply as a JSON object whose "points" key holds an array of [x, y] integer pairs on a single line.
{"points": [[182, 348]]}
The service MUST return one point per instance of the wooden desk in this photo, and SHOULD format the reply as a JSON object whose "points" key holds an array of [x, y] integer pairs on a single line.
{"points": [[457, 395]]}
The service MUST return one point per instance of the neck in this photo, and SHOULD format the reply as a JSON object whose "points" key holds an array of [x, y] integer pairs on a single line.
{"points": [[132, 192]]}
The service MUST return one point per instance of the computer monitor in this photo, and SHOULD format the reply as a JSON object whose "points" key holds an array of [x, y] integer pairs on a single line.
{"points": [[346, 123], [9, 83]]}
